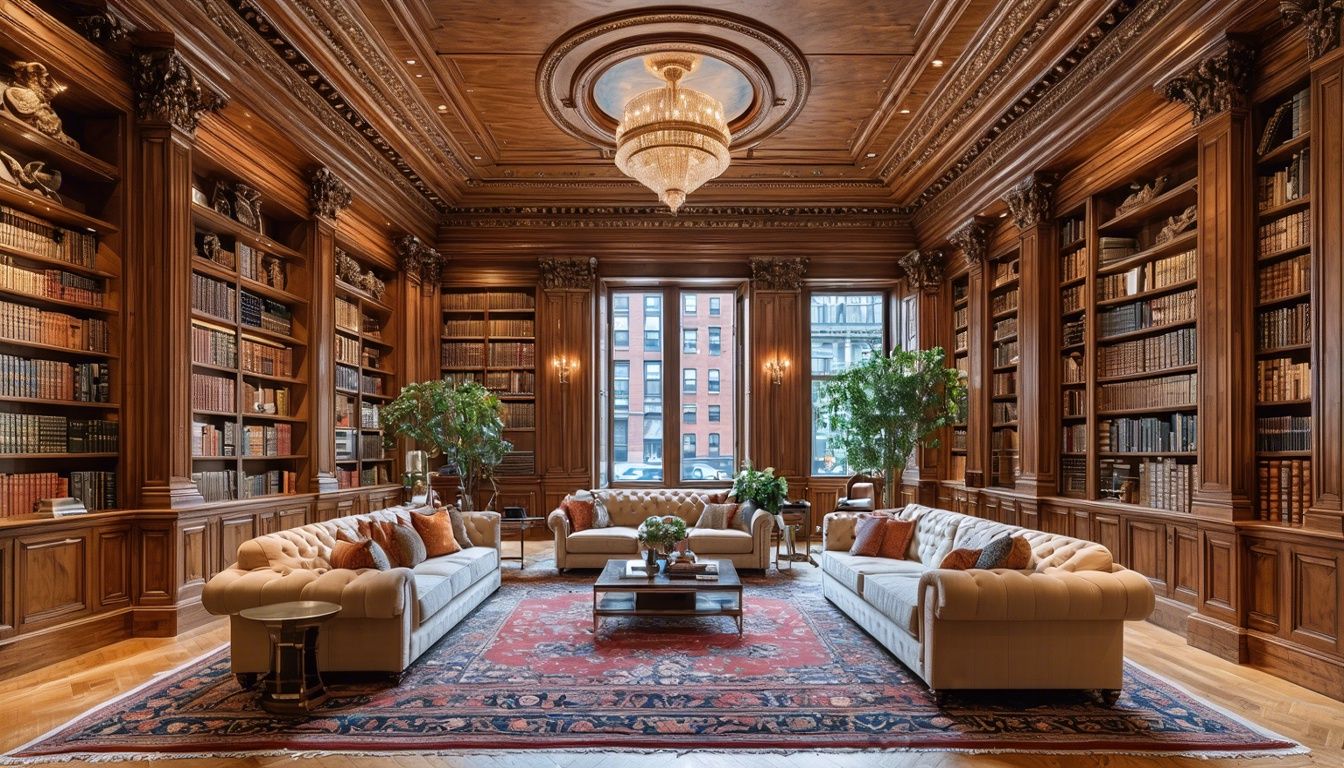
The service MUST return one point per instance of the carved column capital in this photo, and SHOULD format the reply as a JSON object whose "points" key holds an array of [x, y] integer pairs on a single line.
{"points": [[972, 239], [1218, 83], [924, 270], [567, 273], [778, 274], [1320, 20], [418, 261], [166, 90], [327, 194], [1032, 200], [103, 28]]}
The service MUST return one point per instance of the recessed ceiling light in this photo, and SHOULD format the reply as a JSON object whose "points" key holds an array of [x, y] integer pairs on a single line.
{"points": [[872, 154], [1003, 215], [443, 107], [412, 61], [419, 75], [475, 157], [905, 110], [935, 62]]}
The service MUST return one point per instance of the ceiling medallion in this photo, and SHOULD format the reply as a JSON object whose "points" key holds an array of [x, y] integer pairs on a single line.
{"points": [[672, 139]]}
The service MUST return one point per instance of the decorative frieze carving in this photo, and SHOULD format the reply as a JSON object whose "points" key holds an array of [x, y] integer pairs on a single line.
{"points": [[1032, 200], [1216, 84], [924, 270], [778, 274], [327, 194], [1319, 18], [166, 90], [419, 261], [697, 217], [972, 239], [567, 273], [104, 28]]}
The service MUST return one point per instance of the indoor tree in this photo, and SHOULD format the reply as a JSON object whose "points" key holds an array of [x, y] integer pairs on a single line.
{"points": [[885, 406], [461, 421]]}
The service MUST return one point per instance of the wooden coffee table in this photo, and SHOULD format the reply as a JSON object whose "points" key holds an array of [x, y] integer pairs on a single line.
{"points": [[615, 594]]}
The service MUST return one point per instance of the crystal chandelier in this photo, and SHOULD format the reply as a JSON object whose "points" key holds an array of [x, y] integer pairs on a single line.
{"points": [[672, 139]]}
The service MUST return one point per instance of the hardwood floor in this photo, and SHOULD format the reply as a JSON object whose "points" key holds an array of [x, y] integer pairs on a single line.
{"points": [[32, 704]]}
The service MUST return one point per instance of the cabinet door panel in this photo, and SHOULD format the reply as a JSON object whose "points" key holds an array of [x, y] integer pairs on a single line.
{"points": [[1263, 582], [1147, 552], [1315, 582], [8, 570], [114, 567], [233, 531], [53, 578], [1185, 565]]}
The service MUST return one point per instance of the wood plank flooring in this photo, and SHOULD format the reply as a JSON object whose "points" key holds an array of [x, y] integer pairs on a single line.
{"points": [[33, 704]]}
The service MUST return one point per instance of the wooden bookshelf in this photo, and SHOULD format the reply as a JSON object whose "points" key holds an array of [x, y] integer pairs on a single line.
{"points": [[961, 360], [249, 352], [365, 372], [1004, 278], [1284, 265], [1074, 262]]}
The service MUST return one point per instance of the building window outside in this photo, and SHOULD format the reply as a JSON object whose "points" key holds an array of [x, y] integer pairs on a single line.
{"points": [[689, 342], [620, 388], [620, 439], [714, 413], [620, 322], [688, 446], [715, 340], [715, 308], [714, 380], [688, 414], [688, 381], [713, 443], [845, 328], [688, 303]]}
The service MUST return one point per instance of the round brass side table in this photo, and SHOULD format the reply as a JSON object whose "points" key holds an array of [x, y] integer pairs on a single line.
{"points": [[294, 685]]}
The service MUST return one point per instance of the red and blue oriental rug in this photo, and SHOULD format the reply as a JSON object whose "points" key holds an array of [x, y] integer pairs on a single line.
{"points": [[525, 672]]}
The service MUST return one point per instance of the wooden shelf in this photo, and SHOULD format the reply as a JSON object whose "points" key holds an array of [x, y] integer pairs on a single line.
{"points": [[1285, 151], [39, 456], [1283, 454], [1295, 250], [1182, 242], [364, 297], [285, 457], [64, 351], [272, 377], [264, 334], [1148, 293], [274, 417], [1283, 351], [1293, 298], [1174, 200], [61, 403], [1173, 371], [44, 302], [53, 211], [262, 289], [1148, 454], [211, 220], [1282, 403], [1149, 410], [73, 163], [47, 262], [1275, 211], [1151, 330], [1073, 282]]}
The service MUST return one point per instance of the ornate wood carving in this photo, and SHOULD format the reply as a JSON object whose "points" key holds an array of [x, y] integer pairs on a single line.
{"points": [[327, 194], [418, 261], [778, 274], [1032, 200], [1320, 20], [690, 217], [567, 273], [972, 239], [924, 270], [28, 93], [167, 91], [1216, 84], [104, 28]]}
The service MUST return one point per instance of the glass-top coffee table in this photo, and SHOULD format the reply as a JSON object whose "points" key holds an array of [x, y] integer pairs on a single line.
{"points": [[617, 593]]}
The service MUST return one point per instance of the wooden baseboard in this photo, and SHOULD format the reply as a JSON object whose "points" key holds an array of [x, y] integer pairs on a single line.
{"points": [[170, 620], [1170, 615], [1216, 637], [1303, 666], [34, 650]]}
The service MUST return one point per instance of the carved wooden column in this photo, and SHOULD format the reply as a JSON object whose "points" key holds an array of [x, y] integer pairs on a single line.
{"points": [[972, 239], [778, 433], [1032, 206], [420, 317], [169, 104], [1216, 89], [327, 197], [924, 272], [565, 342]]}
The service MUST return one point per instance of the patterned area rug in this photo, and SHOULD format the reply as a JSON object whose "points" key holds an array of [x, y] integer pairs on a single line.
{"points": [[526, 672]]}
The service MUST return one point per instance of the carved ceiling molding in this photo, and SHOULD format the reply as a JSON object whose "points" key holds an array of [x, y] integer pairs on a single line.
{"points": [[327, 194], [167, 91], [1126, 34], [418, 261], [102, 28], [291, 71], [1032, 200], [924, 270], [972, 239], [1319, 19], [1217, 83], [698, 217], [958, 103], [778, 274], [625, 184], [559, 274]]}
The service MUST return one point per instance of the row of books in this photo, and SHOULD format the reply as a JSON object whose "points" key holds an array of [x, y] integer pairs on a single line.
{"points": [[261, 267], [1073, 332], [1006, 354], [20, 493], [1073, 370], [347, 378], [1005, 328], [1071, 231], [517, 463], [26, 233], [1282, 379], [511, 382], [1284, 487], [371, 447], [345, 411], [20, 322], [1116, 249], [478, 300], [268, 439], [1176, 432], [273, 401], [1150, 276], [348, 316], [520, 415], [266, 359], [50, 283], [214, 440], [261, 312], [511, 327], [1071, 299], [41, 433], [468, 328], [1167, 484], [1003, 412], [1073, 265], [1165, 392], [1004, 457], [1074, 401], [519, 354], [375, 475], [458, 354], [373, 384], [1285, 278], [1004, 383], [1150, 313], [961, 340], [961, 317], [1073, 476], [959, 439], [369, 416], [347, 350], [1002, 272], [54, 380], [1285, 232], [224, 485], [1289, 183], [213, 393], [1153, 353], [1283, 433], [213, 297], [212, 346], [1288, 121], [1004, 302], [1283, 327], [1075, 438]]}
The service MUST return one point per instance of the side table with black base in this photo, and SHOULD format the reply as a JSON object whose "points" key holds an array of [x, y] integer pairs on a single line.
{"points": [[522, 525], [294, 685], [792, 516]]}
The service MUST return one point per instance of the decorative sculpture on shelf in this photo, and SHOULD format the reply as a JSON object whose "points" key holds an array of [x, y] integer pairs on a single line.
{"points": [[1176, 225], [247, 206], [275, 271], [1142, 194], [28, 97], [373, 285], [220, 197], [33, 175], [208, 247], [348, 271]]}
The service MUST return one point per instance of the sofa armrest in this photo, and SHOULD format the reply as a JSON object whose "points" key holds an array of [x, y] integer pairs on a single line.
{"points": [[837, 531], [762, 523], [483, 528], [366, 594], [558, 522], [1002, 595]]}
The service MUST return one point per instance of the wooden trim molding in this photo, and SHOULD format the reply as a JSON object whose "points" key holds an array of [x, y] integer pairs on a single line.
{"points": [[689, 217]]}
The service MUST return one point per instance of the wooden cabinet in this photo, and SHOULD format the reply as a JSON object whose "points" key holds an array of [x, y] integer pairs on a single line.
{"points": [[7, 622], [112, 565], [53, 578]]}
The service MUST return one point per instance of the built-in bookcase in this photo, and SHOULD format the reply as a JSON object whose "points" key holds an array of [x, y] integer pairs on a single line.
{"points": [[249, 325], [1074, 261], [1004, 275], [365, 367], [961, 322], [1145, 380], [489, 336], [61, 302], [1283, 306]]}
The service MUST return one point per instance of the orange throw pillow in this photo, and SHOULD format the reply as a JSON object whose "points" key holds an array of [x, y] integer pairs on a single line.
{"points": [[960, 559], [581, 514], [896, 535], [1019, 557], [436, 531], [354, 555], [379, 531], [868, 534]]}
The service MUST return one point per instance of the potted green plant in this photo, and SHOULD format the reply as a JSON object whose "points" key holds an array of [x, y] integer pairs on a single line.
{"points": [[659, 535], [881, 409], [461, 421], [760, 487]]}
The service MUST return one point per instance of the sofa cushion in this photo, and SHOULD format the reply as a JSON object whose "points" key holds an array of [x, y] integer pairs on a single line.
{"points": [[408, 549], [432, 593], [728, 541], [628, 507], [1054, 551], [357, 555], [851, 570], [935, 530], [896, 538], [616, 540], [582, 513], [460, 533], [896, 596], [868, 536], [1011, 552], [962, 559], [716, 517], [478, 562], [977, 533], [437, 532]]}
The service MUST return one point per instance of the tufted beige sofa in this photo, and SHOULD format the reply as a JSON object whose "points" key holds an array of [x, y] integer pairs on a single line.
{"points": [[387, 618], [629, 507], [1057, 625]]}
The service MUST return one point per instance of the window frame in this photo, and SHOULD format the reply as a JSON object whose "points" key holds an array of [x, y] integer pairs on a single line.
{"points": [[889, 317]]}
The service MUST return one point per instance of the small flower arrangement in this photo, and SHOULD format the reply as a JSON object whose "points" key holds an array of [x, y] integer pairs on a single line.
{"points": [[662, 533]]}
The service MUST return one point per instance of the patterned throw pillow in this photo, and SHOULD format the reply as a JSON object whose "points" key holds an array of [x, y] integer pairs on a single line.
{"points": [[436, 531], [356, 555], [379, 531], [960, 559], [407, 549], [459, 521], [740, 519], [581, 513], [601, 516], [1005, 552], [717, 517], [868, 533], [896, 535]]}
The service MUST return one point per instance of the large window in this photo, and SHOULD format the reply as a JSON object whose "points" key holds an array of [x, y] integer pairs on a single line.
{"points": [[845, 328]]}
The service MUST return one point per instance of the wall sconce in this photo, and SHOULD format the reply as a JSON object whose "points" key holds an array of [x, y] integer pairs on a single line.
{"points": [[776, 368], [563, 367]]}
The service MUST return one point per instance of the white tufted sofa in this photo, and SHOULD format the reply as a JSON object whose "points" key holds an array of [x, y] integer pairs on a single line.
{"points": [[628, 507], [387, 618], [1057, 625]]}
